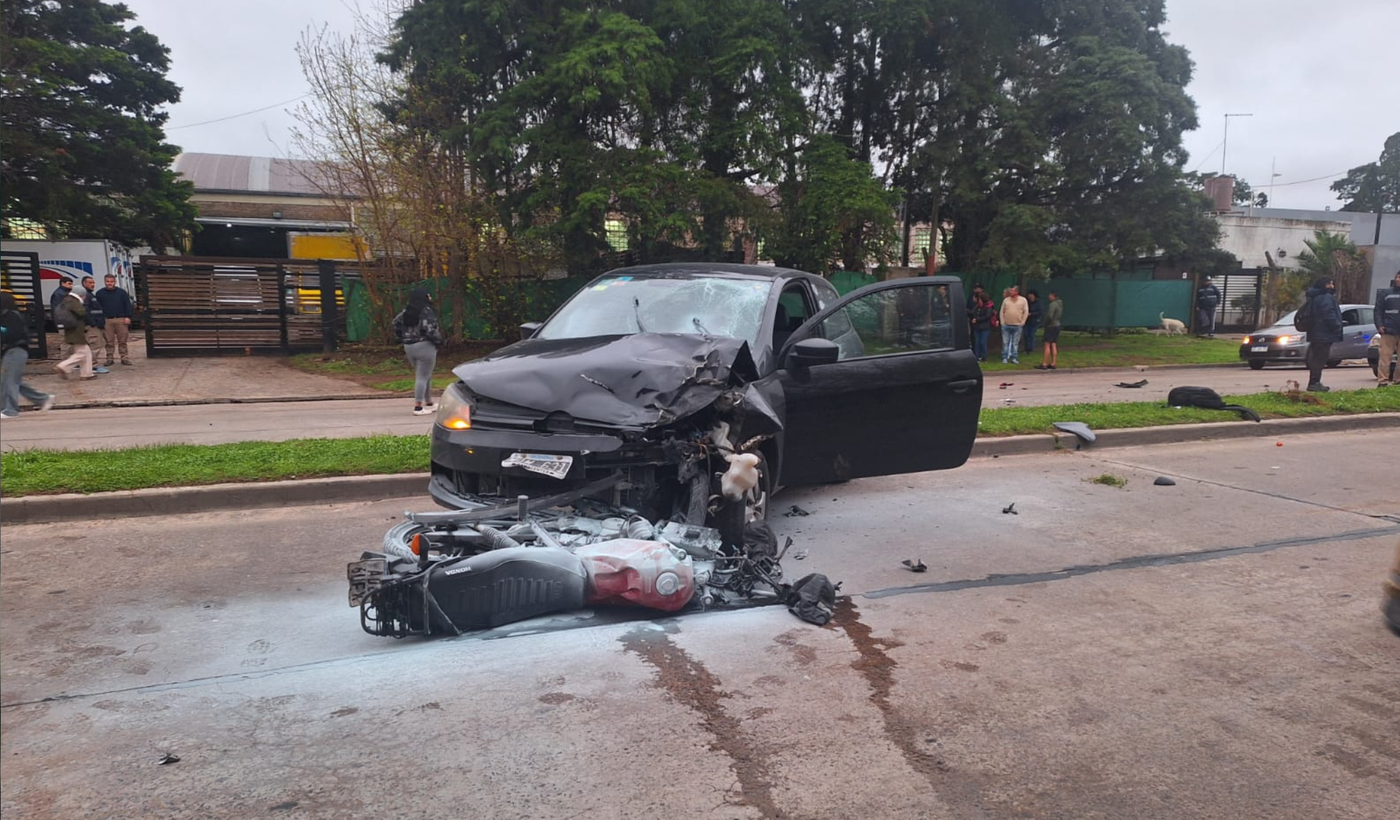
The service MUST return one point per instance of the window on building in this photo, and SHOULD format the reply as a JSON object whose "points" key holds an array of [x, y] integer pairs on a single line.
{"points": [[616, 233]]}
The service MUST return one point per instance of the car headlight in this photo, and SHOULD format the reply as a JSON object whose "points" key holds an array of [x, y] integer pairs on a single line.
{"points": [[1285, 339], [455, 408], [1246, 340]]}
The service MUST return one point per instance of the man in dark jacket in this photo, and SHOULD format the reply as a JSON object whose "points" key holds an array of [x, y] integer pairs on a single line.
{"points": [[1388, 326], [1037, 310], [1207, 300], [95, 321], [118, 311], [14, 340], [1323, 331]]}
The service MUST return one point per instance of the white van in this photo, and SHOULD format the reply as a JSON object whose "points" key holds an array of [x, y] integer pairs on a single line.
{"points": [[76, 258]]}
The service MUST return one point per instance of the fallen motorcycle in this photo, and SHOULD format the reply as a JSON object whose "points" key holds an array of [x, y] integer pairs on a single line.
{"points": [[454, 571]]}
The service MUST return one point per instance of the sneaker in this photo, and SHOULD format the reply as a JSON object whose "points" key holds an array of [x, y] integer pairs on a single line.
{"points": [[48, 403], [1052, 367], [6, 414], [107, 363], [124, 361], [100, 370], [422, 411], [85, 378], [1042, 367], [431, 408], [1319, 387]]}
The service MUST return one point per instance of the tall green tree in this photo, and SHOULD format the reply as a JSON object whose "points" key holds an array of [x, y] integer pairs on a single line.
{"points": [[1375, 186], [1334, 256], [84, 151]]}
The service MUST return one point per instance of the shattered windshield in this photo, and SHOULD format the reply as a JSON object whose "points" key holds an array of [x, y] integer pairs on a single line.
{"points": [[621, 305]]}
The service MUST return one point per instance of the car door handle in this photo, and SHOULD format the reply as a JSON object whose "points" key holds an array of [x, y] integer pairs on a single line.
{"points": [[962, 385]]}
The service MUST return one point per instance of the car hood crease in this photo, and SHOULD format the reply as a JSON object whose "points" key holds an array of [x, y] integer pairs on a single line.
{"points": [[640, 380]]}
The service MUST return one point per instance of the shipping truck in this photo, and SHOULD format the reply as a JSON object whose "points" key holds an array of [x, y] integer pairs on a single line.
{"points": [[76, 258]]}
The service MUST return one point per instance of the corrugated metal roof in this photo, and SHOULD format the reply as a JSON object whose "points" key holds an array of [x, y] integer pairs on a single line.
{"points": [[230, 172]]}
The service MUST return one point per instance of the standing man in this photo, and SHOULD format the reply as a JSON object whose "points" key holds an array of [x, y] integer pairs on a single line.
{"points": [[1053, 316], [118, 310], [95, 321], [1207, 300], [1014, 312], [1037, 310], [14, 340], [65, 287], [1324, 329], [1388, 325]]}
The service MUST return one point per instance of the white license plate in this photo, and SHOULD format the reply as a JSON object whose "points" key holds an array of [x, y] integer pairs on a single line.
{"points": [[1259, 349], [365, 578], [552, 466]]}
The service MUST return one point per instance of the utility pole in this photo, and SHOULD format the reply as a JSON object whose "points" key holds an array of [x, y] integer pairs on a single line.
{"points": [[1225, 143]]}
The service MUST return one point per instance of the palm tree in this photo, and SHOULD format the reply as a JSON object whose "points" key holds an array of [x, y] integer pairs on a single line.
{"points": [[1333, 256]]}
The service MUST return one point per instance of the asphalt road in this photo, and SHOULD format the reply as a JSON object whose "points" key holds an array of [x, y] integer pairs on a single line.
{"points": [[112, 427], [1210, 649]]}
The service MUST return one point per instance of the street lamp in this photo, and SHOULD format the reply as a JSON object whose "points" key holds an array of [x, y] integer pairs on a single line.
{"points": [[1272, 175], [1225, 143]]}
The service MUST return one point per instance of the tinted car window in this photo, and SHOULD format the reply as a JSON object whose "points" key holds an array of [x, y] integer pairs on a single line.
{"points": [[622, 305], [895, 320], [1351, 317]]}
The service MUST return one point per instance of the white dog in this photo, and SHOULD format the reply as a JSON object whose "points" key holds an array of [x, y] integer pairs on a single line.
{"points": [[1172, 326]]}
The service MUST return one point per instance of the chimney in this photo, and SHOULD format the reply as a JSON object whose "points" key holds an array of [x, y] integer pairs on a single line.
{"points": [[1221, 190]]}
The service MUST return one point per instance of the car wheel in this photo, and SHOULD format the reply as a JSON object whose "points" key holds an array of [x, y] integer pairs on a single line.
{"points": [[731, 516], [1255, 365]]}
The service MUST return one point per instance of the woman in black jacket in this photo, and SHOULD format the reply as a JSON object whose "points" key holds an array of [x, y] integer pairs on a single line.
{"points": [[417, 327], [1324, 329]]}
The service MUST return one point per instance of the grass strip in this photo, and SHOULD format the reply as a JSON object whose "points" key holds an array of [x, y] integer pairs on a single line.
{"points": [[32, 472], [1014, 421], [41, 472], [1079, 349]]}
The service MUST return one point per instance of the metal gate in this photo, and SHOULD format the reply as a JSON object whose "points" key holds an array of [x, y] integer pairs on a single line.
{"points": [[207, 305], [1241, 300], [19, 274]]}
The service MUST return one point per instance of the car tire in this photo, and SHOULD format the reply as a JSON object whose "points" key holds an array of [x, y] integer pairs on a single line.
{"points": [[731, 516], [1255, 365]]}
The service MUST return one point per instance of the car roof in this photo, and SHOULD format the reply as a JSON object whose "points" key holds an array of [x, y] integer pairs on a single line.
{"points": [[709, 270]]}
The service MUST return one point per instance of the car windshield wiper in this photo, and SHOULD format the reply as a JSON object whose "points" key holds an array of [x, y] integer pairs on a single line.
{"points": [[637, 312], [700, 326]]}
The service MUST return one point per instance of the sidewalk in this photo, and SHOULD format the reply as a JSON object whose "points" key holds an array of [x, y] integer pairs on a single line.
{"points": [[188, 380]]}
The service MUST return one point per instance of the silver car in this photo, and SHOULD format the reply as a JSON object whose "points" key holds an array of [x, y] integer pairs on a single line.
{"points": [[1281, 343]]}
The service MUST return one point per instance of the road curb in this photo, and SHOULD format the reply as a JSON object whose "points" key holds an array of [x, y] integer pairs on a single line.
{"points": [[43, 509]]}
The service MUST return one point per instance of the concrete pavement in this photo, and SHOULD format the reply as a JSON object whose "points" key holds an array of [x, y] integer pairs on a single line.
{"points": [[1211, 649]]}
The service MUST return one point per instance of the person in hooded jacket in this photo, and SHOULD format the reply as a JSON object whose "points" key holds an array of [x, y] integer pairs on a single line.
{"points": [[1323, 331], [417, 327], [75, 338]]}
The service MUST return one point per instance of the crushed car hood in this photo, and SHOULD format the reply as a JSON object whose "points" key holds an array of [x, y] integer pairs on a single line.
{"points": [[640, 380]]}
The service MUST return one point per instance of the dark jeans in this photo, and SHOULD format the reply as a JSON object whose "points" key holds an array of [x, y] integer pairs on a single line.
{"points": [[980, 335], [1028, 335], [1205, 321], [1317, 359]]}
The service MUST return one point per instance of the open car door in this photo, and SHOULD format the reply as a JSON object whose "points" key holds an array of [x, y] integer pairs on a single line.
{"points": [[881, 382]]}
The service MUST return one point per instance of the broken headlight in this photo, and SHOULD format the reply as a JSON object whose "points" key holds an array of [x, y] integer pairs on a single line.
{"points": [[455, 408]]}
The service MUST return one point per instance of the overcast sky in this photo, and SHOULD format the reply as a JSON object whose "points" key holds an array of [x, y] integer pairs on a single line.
{"points": [[1318, 79]]}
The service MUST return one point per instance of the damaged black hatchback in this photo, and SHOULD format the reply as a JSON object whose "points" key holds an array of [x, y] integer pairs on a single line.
{"points": [[705, 387]]}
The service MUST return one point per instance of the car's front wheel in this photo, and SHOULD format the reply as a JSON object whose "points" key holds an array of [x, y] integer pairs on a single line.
{"points": [[731, 516], [1255, 364]]}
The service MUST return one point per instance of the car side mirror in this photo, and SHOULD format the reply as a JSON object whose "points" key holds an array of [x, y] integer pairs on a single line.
{"points": [[528, 329], [811, 352]]}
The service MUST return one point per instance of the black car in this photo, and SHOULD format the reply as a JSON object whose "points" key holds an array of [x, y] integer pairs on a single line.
{"points": [[650, 382]]}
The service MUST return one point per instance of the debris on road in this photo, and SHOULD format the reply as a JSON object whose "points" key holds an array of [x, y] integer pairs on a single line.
{"points": [[813, 599], [451, 572], [915, 565], [1163, 481], [1077, 428], [168, 758], [1009, 509], [1005, 385], [1136, 384], [796, 512]]}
